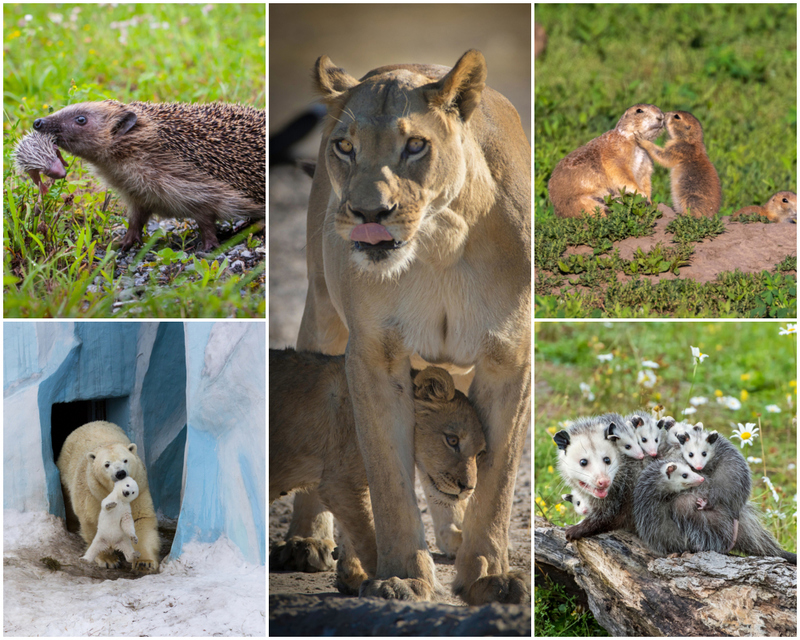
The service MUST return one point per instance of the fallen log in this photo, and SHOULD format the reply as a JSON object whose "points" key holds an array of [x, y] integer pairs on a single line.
{"points": [[632, 592]]}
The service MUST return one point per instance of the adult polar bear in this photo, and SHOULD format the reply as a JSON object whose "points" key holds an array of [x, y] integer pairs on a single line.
{"points": [[419, 242]]}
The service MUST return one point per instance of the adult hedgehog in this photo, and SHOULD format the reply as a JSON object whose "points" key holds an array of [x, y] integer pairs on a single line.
{"points": [[199, 161]]}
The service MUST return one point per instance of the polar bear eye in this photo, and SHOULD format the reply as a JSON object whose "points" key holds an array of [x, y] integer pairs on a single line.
{"points": [[415, 145], [108, 464], [125, 462]]}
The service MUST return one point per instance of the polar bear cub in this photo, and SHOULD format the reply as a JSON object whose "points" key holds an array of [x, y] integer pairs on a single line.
{"points": [[115, 528]]}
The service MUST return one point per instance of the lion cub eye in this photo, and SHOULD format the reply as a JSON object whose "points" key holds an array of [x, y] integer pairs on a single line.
{"points": [[452, 440], [415, 145], [345, 146]]}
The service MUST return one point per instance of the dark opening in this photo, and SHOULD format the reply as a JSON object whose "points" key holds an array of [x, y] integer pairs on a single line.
{"points": [[65, 417]]}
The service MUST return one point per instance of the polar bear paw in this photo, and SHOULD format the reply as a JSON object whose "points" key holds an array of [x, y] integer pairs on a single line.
{"points": [[144, 565], [135, 539], [107, 560], [396, 589]]}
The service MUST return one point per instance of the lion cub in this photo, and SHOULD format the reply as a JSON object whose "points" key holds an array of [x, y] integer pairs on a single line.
{"points": [[694, 180], [607, 165], [313, 444], [781, 207]]}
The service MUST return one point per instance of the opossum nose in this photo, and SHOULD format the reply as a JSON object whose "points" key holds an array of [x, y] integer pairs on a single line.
{"points": [[654, 454], [603, 483], [38, 123], [121, 474]]}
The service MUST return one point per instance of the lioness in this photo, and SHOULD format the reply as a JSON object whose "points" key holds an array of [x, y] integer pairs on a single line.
{"points": [[419, 242], [313, 444]]}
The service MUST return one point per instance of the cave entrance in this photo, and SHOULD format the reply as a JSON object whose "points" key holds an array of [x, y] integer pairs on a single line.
{"points": [[65, 417]]}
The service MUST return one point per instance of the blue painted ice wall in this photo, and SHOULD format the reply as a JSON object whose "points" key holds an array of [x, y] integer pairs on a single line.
{"points": [[224, 488]]}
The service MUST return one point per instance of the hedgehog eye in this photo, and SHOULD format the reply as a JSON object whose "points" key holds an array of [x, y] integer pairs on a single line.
{"points": [[345, 147], [81, 120], [452, 441], [584, 462], [415, 146]]}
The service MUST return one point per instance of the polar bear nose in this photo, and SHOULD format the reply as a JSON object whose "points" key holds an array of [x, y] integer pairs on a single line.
{"points": [[121, 474], [126, 493]]}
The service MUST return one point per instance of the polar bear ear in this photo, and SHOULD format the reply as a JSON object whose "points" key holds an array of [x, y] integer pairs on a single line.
{"points": [[91, 456], [132, 448]]}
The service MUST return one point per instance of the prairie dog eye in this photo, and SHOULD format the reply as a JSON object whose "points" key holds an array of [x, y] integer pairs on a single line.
{"points": [[345, 146], [415, 145], [452, 440], [677, 116]]}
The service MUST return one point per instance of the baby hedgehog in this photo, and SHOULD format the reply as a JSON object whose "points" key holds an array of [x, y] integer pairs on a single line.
{"points": [[199, 161], [37, 153]]}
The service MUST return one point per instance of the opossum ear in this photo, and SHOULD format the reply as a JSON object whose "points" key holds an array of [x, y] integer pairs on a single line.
{"points": [[712, 437], [666, 423], [637, 422], [567, 497], [671, 469], [611, 432], [124, 123], [562, 440], [682, 438]]}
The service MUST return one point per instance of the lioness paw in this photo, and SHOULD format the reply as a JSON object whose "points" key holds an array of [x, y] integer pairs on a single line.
{"points": [[396, 589], [505, 588], [302, 554]]}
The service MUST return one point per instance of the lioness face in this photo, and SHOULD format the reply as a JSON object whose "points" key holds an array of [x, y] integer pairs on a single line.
{"points": [[448, 442], [396, 155]]}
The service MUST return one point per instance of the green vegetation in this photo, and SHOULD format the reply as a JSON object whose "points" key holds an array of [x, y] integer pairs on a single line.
{"points": [[732, 66], [750, 372], [59, 260]]}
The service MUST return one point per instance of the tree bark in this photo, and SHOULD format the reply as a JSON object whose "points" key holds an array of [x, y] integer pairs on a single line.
{"points": [[632, 592]]}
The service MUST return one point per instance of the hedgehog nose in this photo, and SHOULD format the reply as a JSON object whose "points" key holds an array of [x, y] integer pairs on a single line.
{"points": [[38, 123], [121, 474]]}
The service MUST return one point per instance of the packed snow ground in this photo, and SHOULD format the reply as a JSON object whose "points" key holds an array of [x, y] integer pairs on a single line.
{"points": [[209, 591]]}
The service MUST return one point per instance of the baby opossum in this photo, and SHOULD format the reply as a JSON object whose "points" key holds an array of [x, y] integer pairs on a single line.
{"points": [[656, 437], [590, 461], [579, 501], [621, 433]]}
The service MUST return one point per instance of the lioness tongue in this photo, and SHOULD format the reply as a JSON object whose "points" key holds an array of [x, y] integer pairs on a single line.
{"points": [[371, 233]]}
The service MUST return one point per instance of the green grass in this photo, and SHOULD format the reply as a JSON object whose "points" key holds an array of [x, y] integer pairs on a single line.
{"points": [[747, 361], [732, 66], [57, 258]]}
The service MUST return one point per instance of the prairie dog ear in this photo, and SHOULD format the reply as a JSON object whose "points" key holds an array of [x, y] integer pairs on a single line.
{"points": [[434, 383], [330, 80], [459, 92]]}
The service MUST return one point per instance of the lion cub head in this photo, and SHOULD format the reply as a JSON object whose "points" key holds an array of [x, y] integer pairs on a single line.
{"points": [[448, 438], [397, 154]]}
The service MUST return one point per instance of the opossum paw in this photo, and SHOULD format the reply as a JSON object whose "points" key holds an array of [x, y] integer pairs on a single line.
{"points": [[702, 503]]}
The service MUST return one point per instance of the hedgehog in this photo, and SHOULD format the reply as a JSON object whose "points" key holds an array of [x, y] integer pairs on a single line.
{"points": [[198, 161], [37, 153]]}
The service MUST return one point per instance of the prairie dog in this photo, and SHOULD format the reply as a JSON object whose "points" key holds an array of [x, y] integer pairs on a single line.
{"points": [[782, 207], [606, 165], [694, 181], [592, 463]]}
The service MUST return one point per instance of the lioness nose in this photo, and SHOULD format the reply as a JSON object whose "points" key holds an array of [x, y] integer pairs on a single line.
{"points": [[463, 487], [373, 215]]}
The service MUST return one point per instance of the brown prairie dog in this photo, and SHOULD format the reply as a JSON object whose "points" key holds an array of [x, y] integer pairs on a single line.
{"points": [[781, 207], [606, 165], [694, 181]]}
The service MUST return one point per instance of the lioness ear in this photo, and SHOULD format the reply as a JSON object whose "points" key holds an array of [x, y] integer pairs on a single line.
{"points": [[330, 80], [460, 90], [434, 383]]}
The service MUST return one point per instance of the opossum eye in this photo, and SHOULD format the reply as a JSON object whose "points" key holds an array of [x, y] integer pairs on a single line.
{"points": [[691, 455], [704, 454], [584, 462], [627, 446], [607, 460], [644, 440], [684, 475], [81, 120]]}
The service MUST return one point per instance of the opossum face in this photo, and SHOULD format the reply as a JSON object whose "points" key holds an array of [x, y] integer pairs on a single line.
{"points": [[698, 446], [578, 501], [624, 436], [673, 429], [588, 461], [679, 476], [648, 433]]}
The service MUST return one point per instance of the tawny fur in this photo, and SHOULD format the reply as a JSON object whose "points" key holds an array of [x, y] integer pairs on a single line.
{"points": [[313, 444], [441, 162], [37, 153], [607, 165], [199, 161], [782, 207], [694, 181]]}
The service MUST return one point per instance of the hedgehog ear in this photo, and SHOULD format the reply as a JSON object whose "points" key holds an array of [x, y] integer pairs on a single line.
{"points": [[562, 440], [124, 123], [434, 384], [330, 80], [460, 90]]}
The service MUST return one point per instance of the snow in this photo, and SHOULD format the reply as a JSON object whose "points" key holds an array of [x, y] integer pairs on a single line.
{"points": [[210, 590]]}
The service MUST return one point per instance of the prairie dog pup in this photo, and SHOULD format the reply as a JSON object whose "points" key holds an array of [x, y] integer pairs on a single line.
{"points": [[606, 165], [782, 207], [592, 463], [694, 180]]}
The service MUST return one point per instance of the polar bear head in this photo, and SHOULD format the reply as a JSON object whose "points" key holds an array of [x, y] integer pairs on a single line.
{"points": [[113, 461], [126, 490]]}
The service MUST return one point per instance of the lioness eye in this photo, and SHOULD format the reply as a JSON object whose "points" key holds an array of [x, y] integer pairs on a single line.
{"points": [[452, 440], [345, 146], [415, 145]]}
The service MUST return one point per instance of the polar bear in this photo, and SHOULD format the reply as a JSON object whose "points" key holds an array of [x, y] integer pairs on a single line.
{"points": [[92, 459], [115, 523]]}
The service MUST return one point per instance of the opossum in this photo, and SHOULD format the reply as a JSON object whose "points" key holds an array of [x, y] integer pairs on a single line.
{"points": [[579, 500], [592, 463], [656, 437], [754, 540], [621, 433], [671, 517]]}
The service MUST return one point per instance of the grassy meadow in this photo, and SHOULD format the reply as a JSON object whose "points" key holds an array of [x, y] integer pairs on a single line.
{"points": [[749, 377], [734, 67], [58, 259]]}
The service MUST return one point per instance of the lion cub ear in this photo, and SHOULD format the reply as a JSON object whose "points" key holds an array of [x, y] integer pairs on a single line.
{"points": [[330, 80], [434, 383], [460, 90]]}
